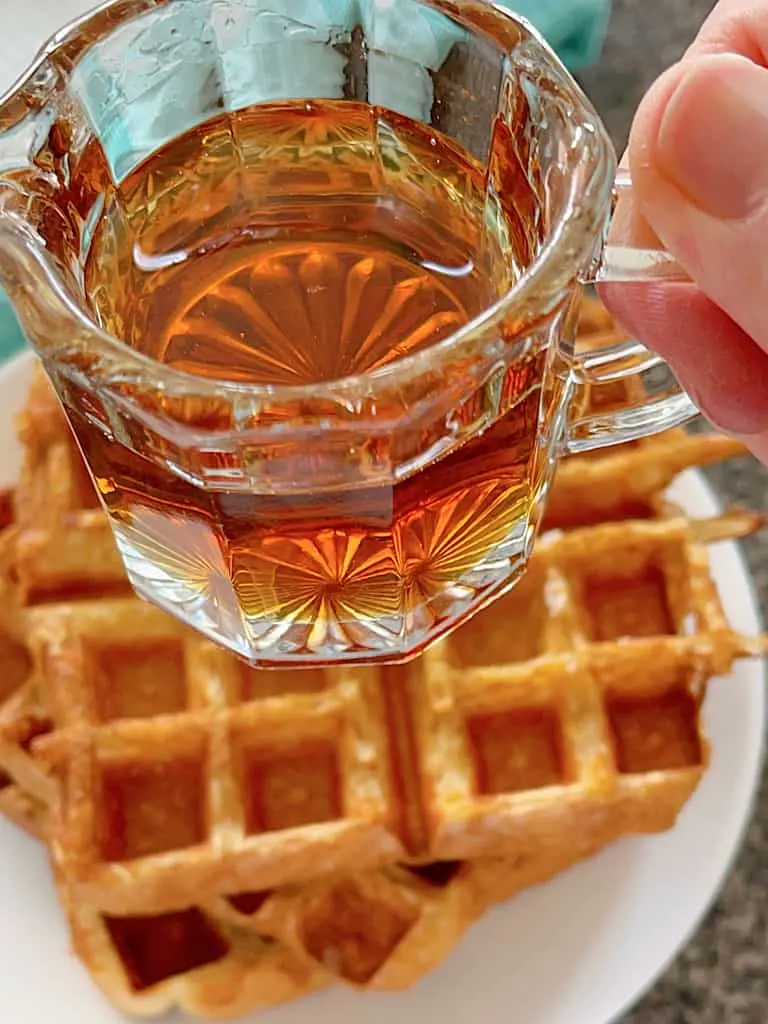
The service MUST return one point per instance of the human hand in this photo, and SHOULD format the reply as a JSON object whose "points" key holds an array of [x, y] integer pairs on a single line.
{"points": [[698, 155]]}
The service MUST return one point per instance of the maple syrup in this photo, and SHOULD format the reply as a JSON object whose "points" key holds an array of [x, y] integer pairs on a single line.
{"points": [[296, 244], [300, 242]]}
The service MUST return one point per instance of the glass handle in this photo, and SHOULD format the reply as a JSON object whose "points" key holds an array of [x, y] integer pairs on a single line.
{"points": [[626, 263], [622, 392]]}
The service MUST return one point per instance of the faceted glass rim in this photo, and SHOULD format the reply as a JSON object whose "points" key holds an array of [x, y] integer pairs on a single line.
{"points": [[572, 244]]}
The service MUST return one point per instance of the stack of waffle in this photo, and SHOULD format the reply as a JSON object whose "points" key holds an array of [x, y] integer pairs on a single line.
{"points": [[225, 839]]}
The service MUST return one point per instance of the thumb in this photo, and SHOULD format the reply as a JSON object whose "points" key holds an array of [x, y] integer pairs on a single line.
{"points": [[699, 159]]}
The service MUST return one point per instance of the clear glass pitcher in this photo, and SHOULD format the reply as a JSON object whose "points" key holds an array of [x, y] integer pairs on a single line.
{"points": [[304, 275]]}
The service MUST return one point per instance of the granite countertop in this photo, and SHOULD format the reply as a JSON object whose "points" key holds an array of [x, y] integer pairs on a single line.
{"points": [[722, 977]]}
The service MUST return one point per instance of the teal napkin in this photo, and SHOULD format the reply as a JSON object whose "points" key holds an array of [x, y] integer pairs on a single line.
{"points": [[575, 28], [11, 338]]}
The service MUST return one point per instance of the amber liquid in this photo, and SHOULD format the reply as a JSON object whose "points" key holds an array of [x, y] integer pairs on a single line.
{"points": [[291, 245]]}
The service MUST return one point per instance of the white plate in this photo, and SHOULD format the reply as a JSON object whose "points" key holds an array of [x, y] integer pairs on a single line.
{"points": [[579, 950]]}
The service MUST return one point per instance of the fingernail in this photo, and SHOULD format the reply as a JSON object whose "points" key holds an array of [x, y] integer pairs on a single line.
{"points": [[713, 136]]}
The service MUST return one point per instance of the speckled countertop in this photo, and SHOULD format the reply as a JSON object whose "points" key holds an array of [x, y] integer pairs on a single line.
{"points": [[722, 977]]}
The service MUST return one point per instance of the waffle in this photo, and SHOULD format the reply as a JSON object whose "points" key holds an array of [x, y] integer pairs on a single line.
{"points": [[21, 809], [424, 911], [385, 930], [62, 542], [652, 736], [106, 663], [132, 695], [188, 960], [375, 931], [184, 771]]}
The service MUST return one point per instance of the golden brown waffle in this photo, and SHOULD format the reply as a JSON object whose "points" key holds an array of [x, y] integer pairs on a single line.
{"points": [[62, 543], [436, 903], [20, 721], [624, 482], [100, 659], [421, 913], [385, 930], [23, 810], [195, 774], [382, 930], [656, 743], [188, 960], [124, 683]]}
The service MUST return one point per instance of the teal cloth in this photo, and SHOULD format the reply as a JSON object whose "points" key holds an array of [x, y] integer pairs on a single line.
{"points": [[575, 28], [11, 337]]}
